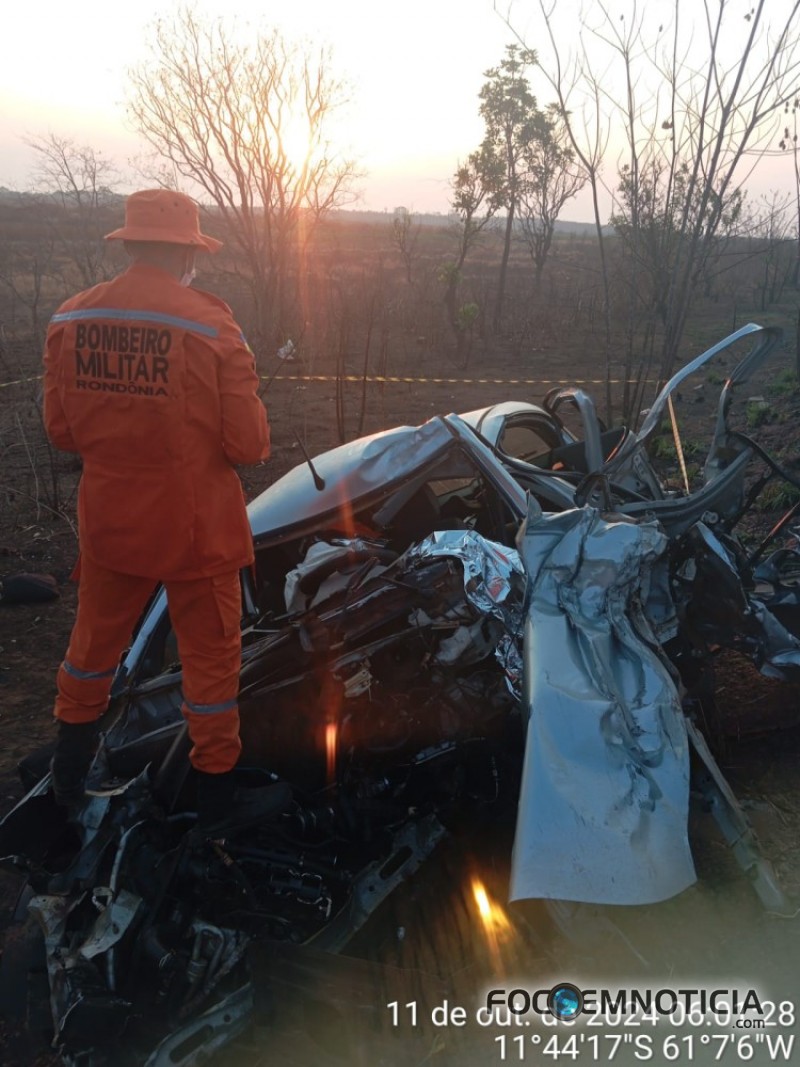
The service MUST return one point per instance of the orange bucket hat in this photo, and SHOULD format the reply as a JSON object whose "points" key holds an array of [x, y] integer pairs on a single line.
{"points": [[163, 215]]}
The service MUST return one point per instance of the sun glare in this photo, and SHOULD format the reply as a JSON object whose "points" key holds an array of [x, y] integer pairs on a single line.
{"points": [[296, 141]]}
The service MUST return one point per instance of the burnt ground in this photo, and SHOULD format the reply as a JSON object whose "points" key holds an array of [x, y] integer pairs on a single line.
{"points": [[430, 928]]}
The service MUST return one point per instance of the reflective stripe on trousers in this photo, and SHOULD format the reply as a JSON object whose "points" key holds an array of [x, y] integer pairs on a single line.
{"points": [[206, 616]]}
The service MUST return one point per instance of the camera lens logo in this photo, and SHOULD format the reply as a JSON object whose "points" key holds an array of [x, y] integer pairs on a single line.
{"points": [[565, 1001]]}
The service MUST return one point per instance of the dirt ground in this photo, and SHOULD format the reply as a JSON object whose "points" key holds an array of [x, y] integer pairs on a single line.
{"points": [[431, 929]]}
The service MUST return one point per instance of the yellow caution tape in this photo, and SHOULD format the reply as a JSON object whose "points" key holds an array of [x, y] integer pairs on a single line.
{"points": [[455, 381], [391, 380]]}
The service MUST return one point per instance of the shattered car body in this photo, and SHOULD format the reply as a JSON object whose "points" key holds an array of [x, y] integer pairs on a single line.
{"points": [[481, 614]]}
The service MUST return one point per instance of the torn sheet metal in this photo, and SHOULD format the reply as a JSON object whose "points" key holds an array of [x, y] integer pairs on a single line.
{"points": [[509, 656], [332, 565], [196, 1041], [780, 649], [113, 921], [494, 580], [605, 790], [492, 572]]}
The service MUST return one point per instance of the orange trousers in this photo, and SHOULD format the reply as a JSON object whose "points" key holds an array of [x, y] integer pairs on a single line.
{"points": [[206, 617]]}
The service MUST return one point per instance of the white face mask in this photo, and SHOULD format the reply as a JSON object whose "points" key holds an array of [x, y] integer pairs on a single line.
{"points": [[189, 274]]}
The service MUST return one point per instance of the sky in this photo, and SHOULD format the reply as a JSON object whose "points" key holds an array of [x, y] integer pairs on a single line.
{"points": [[415, 69]]}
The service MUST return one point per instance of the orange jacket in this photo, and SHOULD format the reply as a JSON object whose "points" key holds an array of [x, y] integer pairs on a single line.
{"points": [[154, 385]]}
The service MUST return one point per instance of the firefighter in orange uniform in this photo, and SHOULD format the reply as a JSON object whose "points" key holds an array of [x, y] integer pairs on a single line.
{"points": [[153, 384]]}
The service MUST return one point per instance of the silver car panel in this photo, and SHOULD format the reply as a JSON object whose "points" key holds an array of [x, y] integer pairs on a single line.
{"points": [[603, 805]]}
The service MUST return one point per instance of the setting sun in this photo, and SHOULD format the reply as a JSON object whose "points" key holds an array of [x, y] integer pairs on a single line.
{"points": [[296, 141]]}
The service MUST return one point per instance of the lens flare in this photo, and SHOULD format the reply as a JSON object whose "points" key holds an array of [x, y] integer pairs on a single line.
{"points": [[494, 919], [331, 739], [496, 925], [482, 900]]}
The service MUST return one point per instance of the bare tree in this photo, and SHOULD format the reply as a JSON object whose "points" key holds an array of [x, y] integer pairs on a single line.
{"points": [[696, 92], [769, 225], [28, 273], [246, 125], [473, 202], [405, 235], [578, 94], [691, 147], [790, 138], [551, 179], [75, 184], [474, 205]]}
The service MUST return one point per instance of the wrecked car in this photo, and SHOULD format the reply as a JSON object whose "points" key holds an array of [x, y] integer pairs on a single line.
{"points": [[485, 613]]}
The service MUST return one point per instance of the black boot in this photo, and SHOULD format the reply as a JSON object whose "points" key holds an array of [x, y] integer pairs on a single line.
{"points": [[71, 759], [221, 807]]}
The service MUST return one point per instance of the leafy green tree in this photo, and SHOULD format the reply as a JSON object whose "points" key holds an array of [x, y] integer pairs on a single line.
{"points": [[513, 122]]}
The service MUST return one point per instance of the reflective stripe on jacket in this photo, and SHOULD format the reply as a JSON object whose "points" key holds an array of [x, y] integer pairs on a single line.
{"points": [[153, 384]]}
